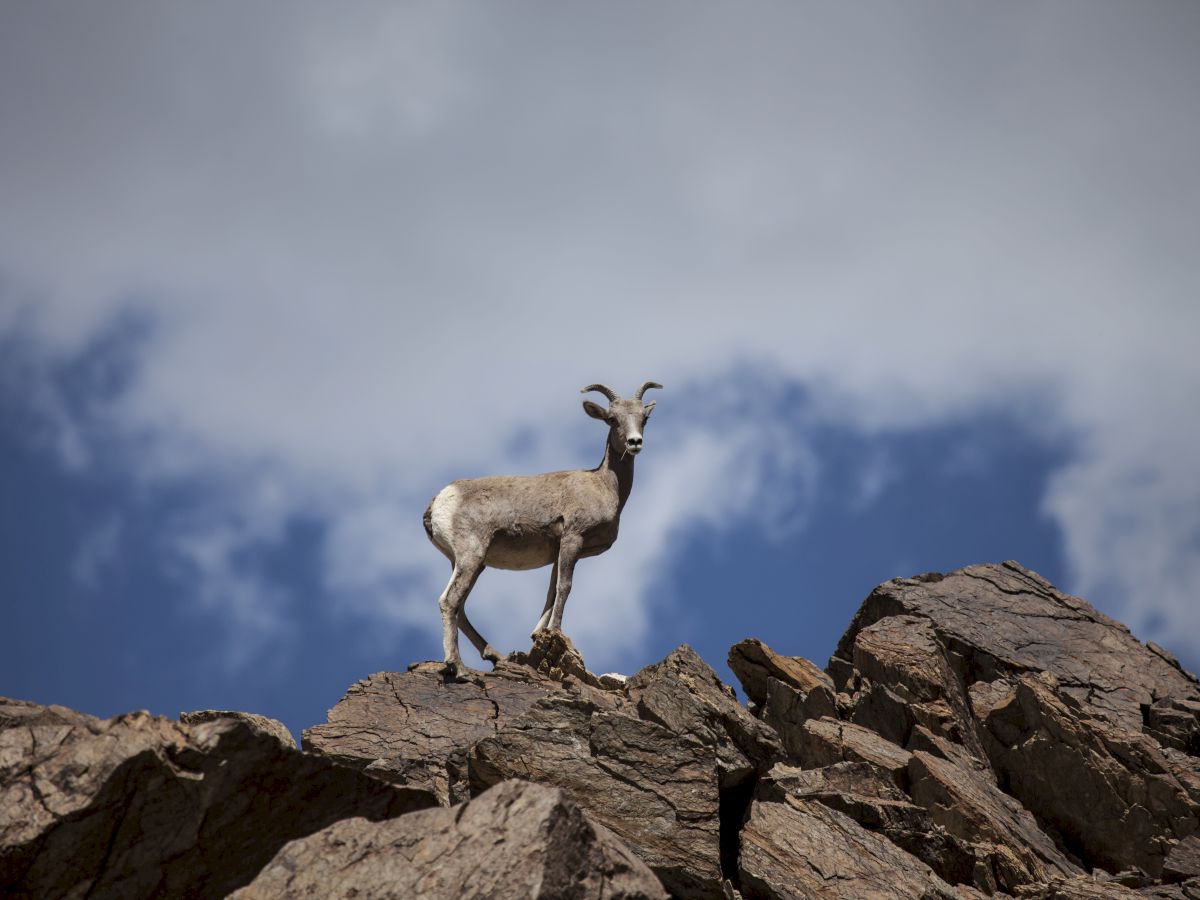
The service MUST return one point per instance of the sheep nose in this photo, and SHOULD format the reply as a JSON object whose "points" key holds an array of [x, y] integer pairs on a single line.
{"points": [[634, 442]]}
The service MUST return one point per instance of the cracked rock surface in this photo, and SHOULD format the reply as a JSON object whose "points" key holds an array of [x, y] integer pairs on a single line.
{"points": [[140, 806], [517, 840], [975, 734]]}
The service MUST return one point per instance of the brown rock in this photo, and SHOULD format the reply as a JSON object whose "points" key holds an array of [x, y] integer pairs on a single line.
{"points": [[684, 695], [272, 727], [1005, 838], [1183, 860], [869, 796], [911, 681], [753, 662], [516, 840], [416, 728], [140, 806], [824, 742], [1080, 887], [1004, 620], [802, 848], [655, 789], [1121, 798]]}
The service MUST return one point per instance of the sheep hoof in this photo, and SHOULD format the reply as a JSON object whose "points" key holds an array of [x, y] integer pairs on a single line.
{"points": [[491, 654], [457, 673]]}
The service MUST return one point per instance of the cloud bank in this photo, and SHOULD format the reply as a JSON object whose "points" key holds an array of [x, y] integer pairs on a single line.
{"points": [[375, 248]]}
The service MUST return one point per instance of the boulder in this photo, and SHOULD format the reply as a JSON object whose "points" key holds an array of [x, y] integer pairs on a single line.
{"points": [[516, 840], [141, 806]]}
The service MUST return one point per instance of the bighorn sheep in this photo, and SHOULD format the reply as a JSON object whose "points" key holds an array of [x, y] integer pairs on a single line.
{"points": [[530, 521]]}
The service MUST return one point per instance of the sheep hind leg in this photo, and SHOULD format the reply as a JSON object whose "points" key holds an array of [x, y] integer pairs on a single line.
{"points": [[486, 650], [451, 603]]}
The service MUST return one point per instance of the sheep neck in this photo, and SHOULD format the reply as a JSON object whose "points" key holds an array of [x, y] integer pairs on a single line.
{"points": [[620, 465]]}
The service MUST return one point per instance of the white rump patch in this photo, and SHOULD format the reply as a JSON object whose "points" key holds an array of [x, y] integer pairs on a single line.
{"points": [[441, 514]]}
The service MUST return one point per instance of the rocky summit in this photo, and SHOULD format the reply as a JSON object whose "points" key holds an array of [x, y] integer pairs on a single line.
{"points": [[975, 734]]}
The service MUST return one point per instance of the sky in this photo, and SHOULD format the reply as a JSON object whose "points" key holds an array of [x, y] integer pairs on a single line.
{"points": [[921, 281]]}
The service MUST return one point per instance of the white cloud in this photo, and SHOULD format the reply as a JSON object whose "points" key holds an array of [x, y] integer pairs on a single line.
{"points": [[377, 244]]}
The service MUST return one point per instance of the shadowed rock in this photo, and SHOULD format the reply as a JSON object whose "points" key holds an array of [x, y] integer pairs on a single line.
{"points": [[655, 789], [517, 840], [1050, 755], [140, 806], [683, 694], [803, 848]]}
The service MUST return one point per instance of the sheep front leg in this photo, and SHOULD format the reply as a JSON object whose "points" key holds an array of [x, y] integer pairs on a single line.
{"points": [[551, 594], [568, 553]]}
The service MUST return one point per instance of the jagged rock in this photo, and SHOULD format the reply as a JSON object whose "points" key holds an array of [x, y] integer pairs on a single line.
{"points": [[802, 849], [1010, 848], [517, 840], [1187, 890], [1002, 620], [1175, 723], [1183, 860], [910, 682], [554, 656], [655, 789], [1080, 887], [1049, 754], [683, 694], [140, 806], [869, 796], [272, 727], [823, 742], [754, 663], [416, 727]]}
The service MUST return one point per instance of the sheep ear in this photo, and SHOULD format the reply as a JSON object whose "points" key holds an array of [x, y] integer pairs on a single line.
{"points": [[648, 408], [595, 410]]}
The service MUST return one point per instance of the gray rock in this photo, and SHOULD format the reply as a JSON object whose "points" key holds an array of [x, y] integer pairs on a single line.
{"points": [[517, 840], [140, 806]]}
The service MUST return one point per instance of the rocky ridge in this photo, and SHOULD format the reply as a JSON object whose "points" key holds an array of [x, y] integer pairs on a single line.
{"points": [[975, 734]]}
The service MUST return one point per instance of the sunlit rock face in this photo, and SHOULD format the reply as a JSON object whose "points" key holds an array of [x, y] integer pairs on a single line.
{"points": [[976, 733]]}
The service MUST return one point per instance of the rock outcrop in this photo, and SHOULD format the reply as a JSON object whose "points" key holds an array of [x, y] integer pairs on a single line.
{"points": [[975, 734], [140, 806], [515, 840]]}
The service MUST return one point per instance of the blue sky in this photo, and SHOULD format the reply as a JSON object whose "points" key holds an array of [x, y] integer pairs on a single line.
{"points": [[920, 281]]}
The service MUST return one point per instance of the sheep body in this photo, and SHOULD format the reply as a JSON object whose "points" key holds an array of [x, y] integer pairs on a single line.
{"points": [[530, 521]]}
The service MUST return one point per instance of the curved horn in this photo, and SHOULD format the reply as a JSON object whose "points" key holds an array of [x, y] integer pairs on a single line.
{"points": [[645, 387], [604, 389]]}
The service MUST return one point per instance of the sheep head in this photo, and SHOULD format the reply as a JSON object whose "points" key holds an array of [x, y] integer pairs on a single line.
{"points": [[625, 417]]}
